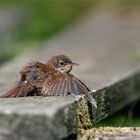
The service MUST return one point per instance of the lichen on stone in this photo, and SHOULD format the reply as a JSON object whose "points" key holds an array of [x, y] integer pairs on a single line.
{"points": [[83, 117]]}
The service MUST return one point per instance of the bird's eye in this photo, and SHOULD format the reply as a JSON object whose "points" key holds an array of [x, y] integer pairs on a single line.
{"points": [[61, 63]]}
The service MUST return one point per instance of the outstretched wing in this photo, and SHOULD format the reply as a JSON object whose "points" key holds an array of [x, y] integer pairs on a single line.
{"points": [[31, 80], [61, 85], [79, 87], [56, 85]]}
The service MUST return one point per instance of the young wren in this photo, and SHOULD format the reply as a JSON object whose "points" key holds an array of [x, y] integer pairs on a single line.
{"points": [[50, 79]]}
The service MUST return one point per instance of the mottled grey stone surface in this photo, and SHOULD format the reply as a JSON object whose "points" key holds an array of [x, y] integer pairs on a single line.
{"points": [[37, 118], [112, 133]]}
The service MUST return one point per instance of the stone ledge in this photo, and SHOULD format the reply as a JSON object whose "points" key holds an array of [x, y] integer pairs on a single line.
{"points": [[37, 118], [58, 117], [112, 133]]}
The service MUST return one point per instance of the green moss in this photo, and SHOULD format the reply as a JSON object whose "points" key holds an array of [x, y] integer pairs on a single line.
{"points": [[47, 17], [83, 117]]}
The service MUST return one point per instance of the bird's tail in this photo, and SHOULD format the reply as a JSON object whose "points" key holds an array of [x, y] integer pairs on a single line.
{"points": [[17, 91], [11, 93]]}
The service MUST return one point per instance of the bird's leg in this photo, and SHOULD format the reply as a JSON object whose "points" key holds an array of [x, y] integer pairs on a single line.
{"points": [[78, 97]]}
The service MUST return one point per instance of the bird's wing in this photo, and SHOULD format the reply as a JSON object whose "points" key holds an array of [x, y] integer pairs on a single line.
{"points": [[77, 87], [62, 85], [31, 80], [81, 88], [56, 85]]}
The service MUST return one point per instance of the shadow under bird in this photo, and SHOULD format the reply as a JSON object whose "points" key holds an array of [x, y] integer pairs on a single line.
{"points": [[50, 79]]}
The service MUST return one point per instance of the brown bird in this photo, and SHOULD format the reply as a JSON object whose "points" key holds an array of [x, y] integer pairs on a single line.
{"points": [[50, 79], [31, 80]]}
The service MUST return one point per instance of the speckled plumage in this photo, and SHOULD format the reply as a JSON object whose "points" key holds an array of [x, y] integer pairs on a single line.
{"points": [[50, 79], [31, 80]]}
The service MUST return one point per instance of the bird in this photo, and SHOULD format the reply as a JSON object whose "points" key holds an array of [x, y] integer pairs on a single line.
{"points": [[30, 82], [50, 79]]}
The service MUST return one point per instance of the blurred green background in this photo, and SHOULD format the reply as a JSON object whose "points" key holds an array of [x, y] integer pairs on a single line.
{"points": [[36, 21], [127, 117], [25, 23], [32, 21]]}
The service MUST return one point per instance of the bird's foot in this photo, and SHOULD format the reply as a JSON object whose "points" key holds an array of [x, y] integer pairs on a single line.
{"points": [[78, 97], [92, 91]]}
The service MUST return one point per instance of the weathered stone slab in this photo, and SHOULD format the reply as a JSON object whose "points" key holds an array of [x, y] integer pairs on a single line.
{"points": [[37, 118], [112, 133]]}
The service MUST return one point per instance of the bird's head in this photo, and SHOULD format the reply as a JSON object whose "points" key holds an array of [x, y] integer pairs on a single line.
{"points": [[61, 63]]}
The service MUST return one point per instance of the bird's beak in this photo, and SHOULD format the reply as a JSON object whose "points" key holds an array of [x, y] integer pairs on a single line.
{"points": [[71, 64], [74, 64], [68, 67]]}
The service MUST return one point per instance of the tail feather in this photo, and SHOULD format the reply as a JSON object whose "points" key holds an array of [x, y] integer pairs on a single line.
{"points": [[14, 92]]}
